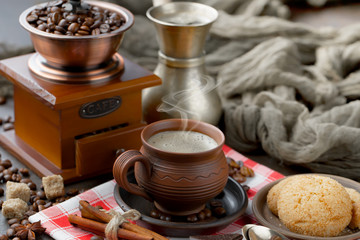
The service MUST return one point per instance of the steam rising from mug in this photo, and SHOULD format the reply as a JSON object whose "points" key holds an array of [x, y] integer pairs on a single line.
{"points": [[177, 104]]}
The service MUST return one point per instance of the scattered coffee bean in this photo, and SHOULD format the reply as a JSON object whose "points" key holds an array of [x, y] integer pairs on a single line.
{"points": [[165, 217], [201, 215], [41, 207], [8, 119], [29, 213], [14, 169], [232, 171], [219, 211], [246, 187], [238, 171], [16, 177], [239, 177], [26, 180], [15, 225], [192, 218], [33, 197], [13, 220], [40, 202], [215, 203], [72, 192], [247, 172], [232, 163], [24, 172], [207, 212], [34, 207], [1, 192], [10, 232], [8, 126], [24, 222], [6, 163], [60, 199], [7, 177], [8, 171], [2, 100], [41, 194], [155, 214], [32, 186]]}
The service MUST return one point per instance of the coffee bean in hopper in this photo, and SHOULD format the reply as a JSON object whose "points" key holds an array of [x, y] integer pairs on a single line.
{"points": [[58, 20]]}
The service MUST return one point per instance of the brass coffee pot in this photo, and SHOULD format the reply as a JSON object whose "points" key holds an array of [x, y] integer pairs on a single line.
{"points": [[187, 91]]}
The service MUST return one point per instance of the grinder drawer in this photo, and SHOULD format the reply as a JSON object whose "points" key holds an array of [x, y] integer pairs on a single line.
{"points": [[96, 154]]}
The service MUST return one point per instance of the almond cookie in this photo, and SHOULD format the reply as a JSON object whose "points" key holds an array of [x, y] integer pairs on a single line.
{"points": [[355, 199], [273, 194], [315, 206]]}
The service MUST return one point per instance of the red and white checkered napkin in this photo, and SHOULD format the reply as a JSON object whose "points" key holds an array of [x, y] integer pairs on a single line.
{"points": [[55, 221]]}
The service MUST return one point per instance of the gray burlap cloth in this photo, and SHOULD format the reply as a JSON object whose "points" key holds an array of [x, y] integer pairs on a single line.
{"points": [[292, 90]]}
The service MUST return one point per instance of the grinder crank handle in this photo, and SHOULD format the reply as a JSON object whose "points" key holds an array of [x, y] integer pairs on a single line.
{"points": [[121, 167]]}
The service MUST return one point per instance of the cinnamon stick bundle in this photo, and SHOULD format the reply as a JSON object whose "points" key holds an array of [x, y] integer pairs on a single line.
{"points": [[97, 227], [88, 211]]}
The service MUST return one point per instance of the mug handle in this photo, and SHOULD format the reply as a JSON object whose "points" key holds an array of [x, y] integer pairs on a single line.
{"points": [[121, 167]]}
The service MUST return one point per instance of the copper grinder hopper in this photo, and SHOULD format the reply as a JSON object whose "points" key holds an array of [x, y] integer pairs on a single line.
{"points": [[79, 58]]}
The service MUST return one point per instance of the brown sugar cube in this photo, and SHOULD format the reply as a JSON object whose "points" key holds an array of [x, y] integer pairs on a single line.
{"points": [[53, 186], [17, 190], [14, 208]]}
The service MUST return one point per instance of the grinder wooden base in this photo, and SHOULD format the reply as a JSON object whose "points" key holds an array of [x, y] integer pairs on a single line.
{"points": [[102, 160], [74, 129], [27, 155]]}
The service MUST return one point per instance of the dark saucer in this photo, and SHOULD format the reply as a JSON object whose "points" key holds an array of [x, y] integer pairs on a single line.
{"points": [[233, 197]]}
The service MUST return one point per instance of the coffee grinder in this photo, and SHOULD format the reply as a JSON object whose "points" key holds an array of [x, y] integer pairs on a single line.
{"points": [[77, 102]]}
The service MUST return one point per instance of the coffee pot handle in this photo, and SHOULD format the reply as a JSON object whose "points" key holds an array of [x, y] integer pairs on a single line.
{"points": [[121, 167]]}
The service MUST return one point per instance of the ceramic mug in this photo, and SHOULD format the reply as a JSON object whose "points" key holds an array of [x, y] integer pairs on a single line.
{"points": [[178, 183]]}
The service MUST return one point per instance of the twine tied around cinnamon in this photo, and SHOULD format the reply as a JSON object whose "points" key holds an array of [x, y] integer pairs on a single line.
{"points": [[117, 219]]}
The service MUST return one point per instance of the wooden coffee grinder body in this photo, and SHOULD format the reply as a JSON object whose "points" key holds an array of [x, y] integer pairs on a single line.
{"points": [[74, 129]]}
